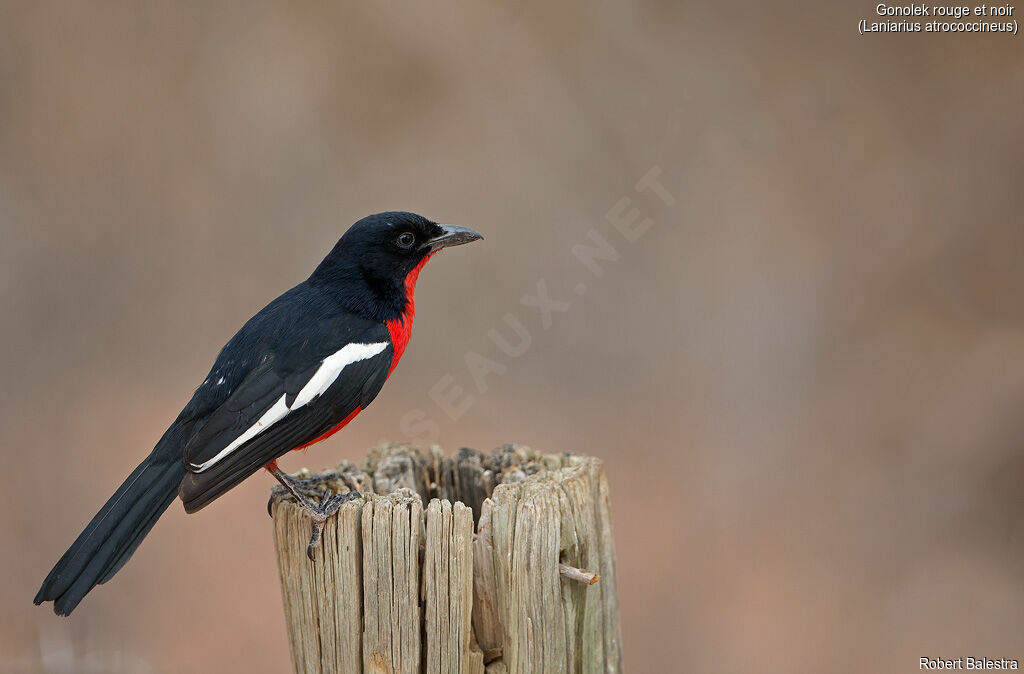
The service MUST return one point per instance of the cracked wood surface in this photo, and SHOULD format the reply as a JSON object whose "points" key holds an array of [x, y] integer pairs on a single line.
{"points": [[510, 566]]}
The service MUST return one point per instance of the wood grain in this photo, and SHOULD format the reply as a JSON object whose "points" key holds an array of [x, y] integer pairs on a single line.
{"points": [[510, 567]]}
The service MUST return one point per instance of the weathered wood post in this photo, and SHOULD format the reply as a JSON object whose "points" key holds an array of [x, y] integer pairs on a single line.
{"points": [[510, 567]]}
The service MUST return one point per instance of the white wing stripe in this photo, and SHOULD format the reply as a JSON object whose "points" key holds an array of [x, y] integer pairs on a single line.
{"points": [[332, 366], [269, 418], [328, 372]]}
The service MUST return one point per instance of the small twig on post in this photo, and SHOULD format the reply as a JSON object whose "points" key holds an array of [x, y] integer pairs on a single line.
{"points": [[581, 575]]}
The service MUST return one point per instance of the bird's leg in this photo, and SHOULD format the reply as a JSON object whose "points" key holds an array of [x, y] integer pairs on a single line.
{"points": [[311, 487], [329, 504]]}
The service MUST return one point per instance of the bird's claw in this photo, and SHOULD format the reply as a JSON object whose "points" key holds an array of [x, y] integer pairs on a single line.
{"points": [[329, 506], [311, 487], [299, 489]]}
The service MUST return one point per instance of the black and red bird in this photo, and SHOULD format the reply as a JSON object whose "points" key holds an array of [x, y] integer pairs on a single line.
{"points": [[296, 372]]}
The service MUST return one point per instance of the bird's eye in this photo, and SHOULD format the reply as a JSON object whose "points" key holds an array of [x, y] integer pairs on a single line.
{"points": [[405, 240]]}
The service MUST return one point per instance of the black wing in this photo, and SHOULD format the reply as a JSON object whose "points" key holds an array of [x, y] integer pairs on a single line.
{"points": [[283, 403]]}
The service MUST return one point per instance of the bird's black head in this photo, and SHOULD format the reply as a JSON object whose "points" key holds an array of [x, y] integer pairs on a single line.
{"points": [[373, 267]]}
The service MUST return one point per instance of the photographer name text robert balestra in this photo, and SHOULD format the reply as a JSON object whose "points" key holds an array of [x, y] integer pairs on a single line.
{"points": [[967, 663]]}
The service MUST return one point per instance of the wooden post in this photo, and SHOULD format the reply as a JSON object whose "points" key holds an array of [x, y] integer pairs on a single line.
{"points": [[510, 567]]}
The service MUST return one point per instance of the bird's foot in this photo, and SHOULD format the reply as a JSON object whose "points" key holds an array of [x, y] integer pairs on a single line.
{"points": [[310, 487], [329, 506], [302, 490]]}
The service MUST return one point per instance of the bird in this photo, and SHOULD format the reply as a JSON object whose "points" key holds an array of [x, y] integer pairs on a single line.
{"points": [[295, 373]]}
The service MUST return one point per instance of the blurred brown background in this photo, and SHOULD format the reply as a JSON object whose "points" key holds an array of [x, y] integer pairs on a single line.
{"points": [[812, 364]]}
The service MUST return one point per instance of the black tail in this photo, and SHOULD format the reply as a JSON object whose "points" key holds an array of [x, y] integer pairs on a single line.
{"points": [[113, 534]]}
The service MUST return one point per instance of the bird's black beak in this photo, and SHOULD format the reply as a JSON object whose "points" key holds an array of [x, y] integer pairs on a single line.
{"points": [[451, 235]]}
